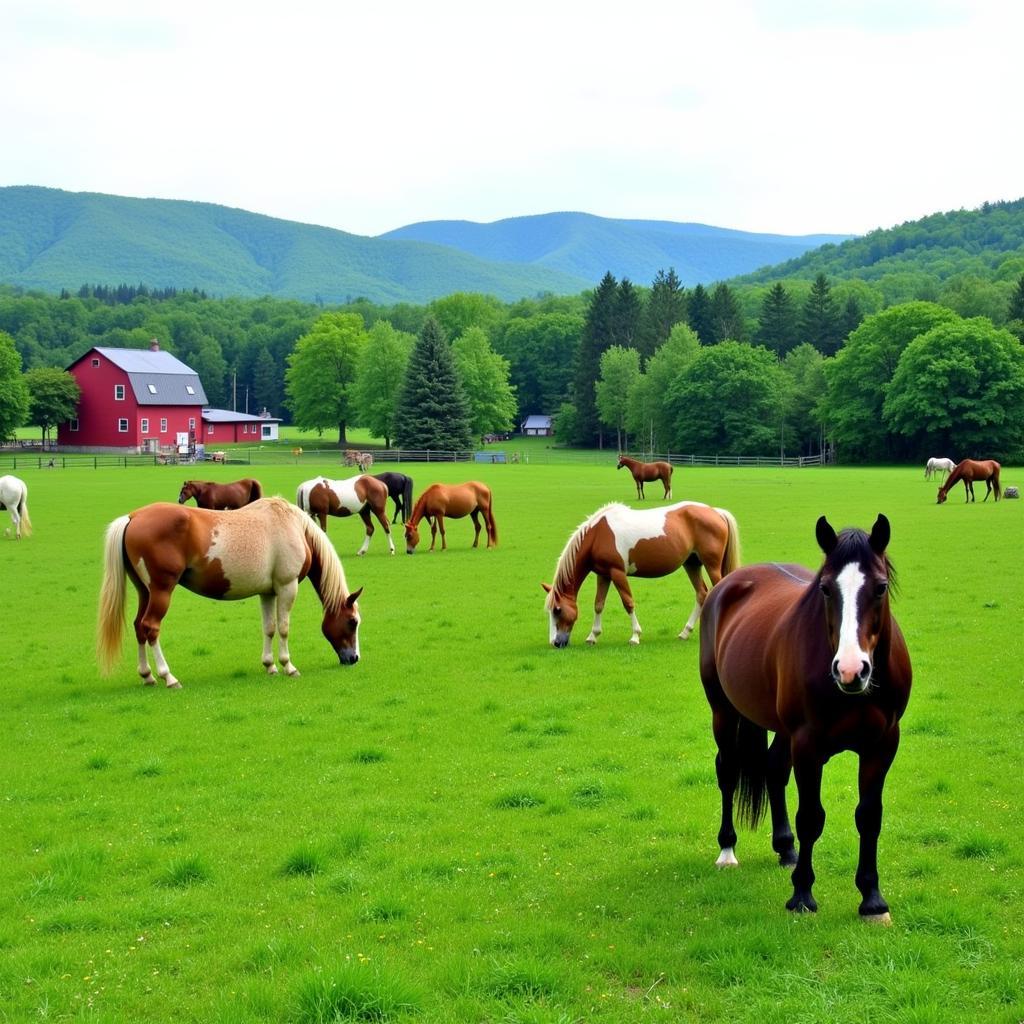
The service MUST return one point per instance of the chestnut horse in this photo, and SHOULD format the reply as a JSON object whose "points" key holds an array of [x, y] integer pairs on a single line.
{"points": [[213, 495], [356, 495], [263, 549], [399, 490], [643, 471], [454, 501], [819, 660], [970, 470], [617, 542], [14, 498]]}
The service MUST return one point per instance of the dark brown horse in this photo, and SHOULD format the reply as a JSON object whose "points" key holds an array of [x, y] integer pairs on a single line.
{"points": [[617, 542], [453, 501], [220, 496], [644, 471], [263, 549], [399, 490], [968, 471], [819, 660], [358, 495]]}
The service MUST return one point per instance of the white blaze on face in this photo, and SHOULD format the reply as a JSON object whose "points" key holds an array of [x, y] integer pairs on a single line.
{"points": [[850, 656]]}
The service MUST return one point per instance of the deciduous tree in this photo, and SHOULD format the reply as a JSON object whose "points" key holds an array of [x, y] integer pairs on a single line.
{"points": [[484, 375], [53, 398], [14, 396], [379, 378], [620, 370]]}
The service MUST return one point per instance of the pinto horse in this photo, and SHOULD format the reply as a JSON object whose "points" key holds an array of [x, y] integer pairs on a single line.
{"points": [[357, 495], [454, 501], [263, 549], [399, 491], [221, 496], [617, 542], [970, 470], [643, 471], [819, 660], [14, 498], [940, 466]]}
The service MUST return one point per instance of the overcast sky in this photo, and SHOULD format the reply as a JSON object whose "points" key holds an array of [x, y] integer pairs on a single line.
{"points": [[797, 116]]}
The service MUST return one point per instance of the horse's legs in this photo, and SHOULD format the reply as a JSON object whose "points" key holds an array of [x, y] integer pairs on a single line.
{"points": [[600, 595], [778, 769], [988, 488], [475, 516], [285, 599], [968, 490], [153, 605], [437, 523], [810, 820], [621, 581], [692, 566], [724, 723], [382, 518], [364, 514], [667, 481], [870, 780], [640, 490]]}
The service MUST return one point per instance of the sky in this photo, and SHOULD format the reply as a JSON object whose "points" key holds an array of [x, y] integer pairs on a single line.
{"points": [[792, 117]]}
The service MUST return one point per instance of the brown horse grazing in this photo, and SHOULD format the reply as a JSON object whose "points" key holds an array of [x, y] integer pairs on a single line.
{"points": [[213, 495], [357, 495], [970, 470], [617, 542], [454, 501], [263, 549], [643, 471], [819, 660], [399, 490]]}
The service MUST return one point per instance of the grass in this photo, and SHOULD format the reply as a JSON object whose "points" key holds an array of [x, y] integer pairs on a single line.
{"points": [[468, 825]]}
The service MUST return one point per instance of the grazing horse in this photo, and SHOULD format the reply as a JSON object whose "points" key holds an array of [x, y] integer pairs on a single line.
{"points": [[265, 548], [356, 495], [819, 660], [400, 491], [14, 498], [220, 496], [968, 471], [940, 466], [454, 501], [643, 471], [617, 542]]}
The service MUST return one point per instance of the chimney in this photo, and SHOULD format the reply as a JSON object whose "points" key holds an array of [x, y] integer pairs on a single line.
{"points": [[154, 345]]}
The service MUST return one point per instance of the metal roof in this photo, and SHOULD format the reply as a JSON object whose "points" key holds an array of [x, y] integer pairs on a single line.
{"points": [[532, 422], [229, 416], [157, 378]]}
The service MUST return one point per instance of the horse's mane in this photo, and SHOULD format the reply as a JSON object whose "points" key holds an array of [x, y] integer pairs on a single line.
{"points": [[567, 559], [333, 585]]}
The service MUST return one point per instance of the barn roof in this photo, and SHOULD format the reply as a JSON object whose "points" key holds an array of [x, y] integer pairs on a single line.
{"points": [[156, 378], [536, 422], [230, 416]]}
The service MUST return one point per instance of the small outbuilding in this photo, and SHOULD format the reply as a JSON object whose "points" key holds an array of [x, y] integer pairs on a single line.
{"points": [[225, 426], [537, 426]]}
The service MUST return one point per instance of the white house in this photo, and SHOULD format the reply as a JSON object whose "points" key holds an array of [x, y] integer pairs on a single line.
{"points": [[537, 426]]}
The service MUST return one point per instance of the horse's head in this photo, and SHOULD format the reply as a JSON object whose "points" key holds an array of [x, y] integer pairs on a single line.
{"points": [[341, 627], [412, 537], [188, 491], [621, 463], [854, 584], [562, 613], [942, 496]]}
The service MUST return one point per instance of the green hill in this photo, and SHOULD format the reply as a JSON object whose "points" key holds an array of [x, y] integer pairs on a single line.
{"points": [[51, 239]]}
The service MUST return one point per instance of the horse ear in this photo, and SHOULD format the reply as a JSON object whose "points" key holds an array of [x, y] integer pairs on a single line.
{"points": [[353, 597], [826, 535], [880, 533], [547, 588]]}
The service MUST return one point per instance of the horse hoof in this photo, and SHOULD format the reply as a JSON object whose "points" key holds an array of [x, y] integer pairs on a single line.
{"points": [[591, 640], [727, 859], [885, 920], [634, 640], [685, 634], [271, 670], [173, 684]]}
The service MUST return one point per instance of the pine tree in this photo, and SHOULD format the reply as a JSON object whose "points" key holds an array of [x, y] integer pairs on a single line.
{"points": [[665, 307], [819, 321], [699, 315], [628, 309], [777, 329], [726, 315], [850, 318], [266, 382], [599, 332], [432, 409]]}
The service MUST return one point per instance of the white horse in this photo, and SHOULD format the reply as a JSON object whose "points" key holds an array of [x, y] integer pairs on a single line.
{"points": [[14, 498], [943, 466]]}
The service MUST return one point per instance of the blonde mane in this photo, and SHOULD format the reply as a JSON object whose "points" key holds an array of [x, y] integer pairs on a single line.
{"points": [[566, 564]]}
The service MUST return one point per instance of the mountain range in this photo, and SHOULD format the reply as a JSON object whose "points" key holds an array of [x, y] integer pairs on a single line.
{"points": [[51, 240]]}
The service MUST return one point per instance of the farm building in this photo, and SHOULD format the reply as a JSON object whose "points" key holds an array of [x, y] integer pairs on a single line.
{"points": [[223, 426], [537, 426], [141, 399]]}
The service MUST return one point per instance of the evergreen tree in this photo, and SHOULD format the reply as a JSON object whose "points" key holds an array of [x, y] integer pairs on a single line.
{"points": [[266, 386], [699, 314], [599, 332], [850, 318], [665, 307], [628, 309], [819, 320], [432, 411], [776, 326], [726, 315], [1016, 309]]}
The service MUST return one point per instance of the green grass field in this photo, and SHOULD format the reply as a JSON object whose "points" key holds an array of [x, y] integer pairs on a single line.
{"points": [[471, 826]]}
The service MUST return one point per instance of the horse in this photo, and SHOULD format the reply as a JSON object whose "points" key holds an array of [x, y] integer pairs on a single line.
{"points": [[454, 501], [970, 470], [643, 471], [942, 466], [14, 498], [221, 496], [263, 549], [400, 491], [819, 660], [617, 542], [357, 495]]}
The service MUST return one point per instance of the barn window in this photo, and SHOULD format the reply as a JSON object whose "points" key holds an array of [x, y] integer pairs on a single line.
{"points": [[163, 425], [118, 392], [189, 389], [122, 426], [95, 362], [74, 424], [191, 423], [152, 388], [209, 429], [144, 426]]}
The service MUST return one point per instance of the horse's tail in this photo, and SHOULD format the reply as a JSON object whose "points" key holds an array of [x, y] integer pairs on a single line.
{"points": [[407, 499], [333, 588], [26, 523], [110, 624], [752, 763], [731, 555], [302, 496], [492, 526], [997, 490], [255, 490]]}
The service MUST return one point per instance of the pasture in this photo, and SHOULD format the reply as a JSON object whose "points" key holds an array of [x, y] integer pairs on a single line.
{"points": [[471, 826]]}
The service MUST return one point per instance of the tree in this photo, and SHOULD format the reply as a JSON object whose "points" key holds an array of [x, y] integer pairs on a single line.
{"points": [[627, 315], [620, 370], [599, 332], [457, 312], [959, 388], [1015, 311], [726, 315], [484, 376], [819, 320], [777, 323], [266, 378], [53, 397], [379, 378], [698, 313], [541, 352], [208, 361], [804, 370], [650, 413], [322, 370], [14, 396], [850, 318], [432, 411], [665, 307]]}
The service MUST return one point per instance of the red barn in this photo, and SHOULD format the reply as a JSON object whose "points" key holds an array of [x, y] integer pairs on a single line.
{"points": [[140, 399], [223, 426]]}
